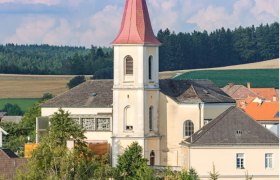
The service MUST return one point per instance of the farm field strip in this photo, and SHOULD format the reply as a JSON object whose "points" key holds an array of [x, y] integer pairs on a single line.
{"points": [[259, 78]]}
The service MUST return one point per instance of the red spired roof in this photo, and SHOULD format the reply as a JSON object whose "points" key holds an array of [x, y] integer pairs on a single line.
{"points": [[136, 26]]}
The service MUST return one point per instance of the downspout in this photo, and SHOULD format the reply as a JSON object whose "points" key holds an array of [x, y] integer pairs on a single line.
{"points": [[199, 106]]}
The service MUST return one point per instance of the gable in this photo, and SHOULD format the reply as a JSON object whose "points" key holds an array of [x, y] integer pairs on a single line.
{"points": [[193, 91], [233, 127]]}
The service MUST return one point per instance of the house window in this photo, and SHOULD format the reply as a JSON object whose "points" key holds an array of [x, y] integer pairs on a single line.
{"points": [[128, 118], [151, 118], [103, 124], [88, 124], [188, 128], [150, 67], [152, 158], [240, 161], [128, 65], [268, 160]]}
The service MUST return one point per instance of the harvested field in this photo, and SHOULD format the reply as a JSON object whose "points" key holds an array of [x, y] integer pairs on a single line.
{"points": [[31, 86]]}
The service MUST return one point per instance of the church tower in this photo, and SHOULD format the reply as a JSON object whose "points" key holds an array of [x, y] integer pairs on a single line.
{"points": [[136, 84]]}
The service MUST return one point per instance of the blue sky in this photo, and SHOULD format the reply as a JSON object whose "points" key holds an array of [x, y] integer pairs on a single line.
{"points": [[86, 22]]}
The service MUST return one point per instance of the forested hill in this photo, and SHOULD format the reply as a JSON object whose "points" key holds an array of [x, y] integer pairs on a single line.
{"points": [[178, 51], [219, 48]]}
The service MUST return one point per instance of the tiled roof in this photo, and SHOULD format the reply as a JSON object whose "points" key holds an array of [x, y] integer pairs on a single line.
{"points": [[136, 26], [233, 127], [265, 111], [93, 93], [9, 153], [194, 91], [238, 91], [266, 93], [182, 91]]}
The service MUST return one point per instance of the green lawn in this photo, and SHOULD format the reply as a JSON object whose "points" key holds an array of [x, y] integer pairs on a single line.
{"points": [[259, 78], [24, 104]]}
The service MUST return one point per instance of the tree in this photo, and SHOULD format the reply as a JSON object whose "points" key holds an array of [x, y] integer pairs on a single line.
{"points": [[76, 81], [214, 175], [132, 165], [12, 110], [46, 96], [53, 160]]}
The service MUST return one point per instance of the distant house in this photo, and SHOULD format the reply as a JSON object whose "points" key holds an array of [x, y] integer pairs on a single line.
{"points": [[11, 119], [240, 93], [245, 95], [235, 144], [266, 113], [9, 162]]}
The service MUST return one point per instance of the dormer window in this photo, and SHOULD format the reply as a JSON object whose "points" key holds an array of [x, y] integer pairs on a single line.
{"points": [[128, 65]]}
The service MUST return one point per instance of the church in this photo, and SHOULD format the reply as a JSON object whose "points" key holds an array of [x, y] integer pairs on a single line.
{"points": [[136, 106]]}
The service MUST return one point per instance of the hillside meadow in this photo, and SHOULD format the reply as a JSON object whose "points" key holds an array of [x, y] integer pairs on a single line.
{"points": [[23, 103], [259, 78]]}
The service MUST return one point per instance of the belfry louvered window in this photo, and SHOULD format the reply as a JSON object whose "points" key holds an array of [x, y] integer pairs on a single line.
{"points": [[128, 65]]}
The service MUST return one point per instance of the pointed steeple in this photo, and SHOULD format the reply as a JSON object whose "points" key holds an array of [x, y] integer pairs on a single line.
{"points": [[136, 26]]}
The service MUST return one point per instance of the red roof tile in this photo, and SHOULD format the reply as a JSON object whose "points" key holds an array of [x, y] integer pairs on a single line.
{"points": [[266, 111], [266, 93], [136, 26]]}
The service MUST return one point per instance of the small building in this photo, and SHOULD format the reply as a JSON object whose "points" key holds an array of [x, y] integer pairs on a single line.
{"points": [[265, 113], [245, 95], [2, 132], [9, 163], [11, 119], [235, 144]]}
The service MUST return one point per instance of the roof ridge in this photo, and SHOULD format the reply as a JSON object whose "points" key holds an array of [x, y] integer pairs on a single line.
{"points": [[212, 123], [196, 92]]}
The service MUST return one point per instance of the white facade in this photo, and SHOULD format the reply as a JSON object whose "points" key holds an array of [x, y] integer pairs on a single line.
{"points": [[2, 132], [224, 158]]}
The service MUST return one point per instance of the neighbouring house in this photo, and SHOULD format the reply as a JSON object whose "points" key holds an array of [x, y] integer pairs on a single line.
{"points": [[11, 119], [245, 95], [235, 144], [9, 163], [2, 132], [266, 113], [136, 106]]}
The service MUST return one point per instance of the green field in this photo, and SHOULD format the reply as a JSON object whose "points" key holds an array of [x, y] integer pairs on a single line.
{"points": [[24, 104], [259, 78]]}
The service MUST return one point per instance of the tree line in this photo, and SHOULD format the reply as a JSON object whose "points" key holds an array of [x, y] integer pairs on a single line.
{"points": [[221, 47]]}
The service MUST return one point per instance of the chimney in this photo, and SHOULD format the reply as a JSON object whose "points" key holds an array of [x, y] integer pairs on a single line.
{"points": [[248, 85]]}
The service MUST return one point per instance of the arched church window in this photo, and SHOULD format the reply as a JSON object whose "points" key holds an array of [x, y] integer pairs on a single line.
{"points": [[188, 128], [128, 118], [150, 67], [152, 158], [151, 118], [128, 65]]}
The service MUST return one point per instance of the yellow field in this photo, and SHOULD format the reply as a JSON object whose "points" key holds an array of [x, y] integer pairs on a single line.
{"points": [[34, 86], [29, 86]]}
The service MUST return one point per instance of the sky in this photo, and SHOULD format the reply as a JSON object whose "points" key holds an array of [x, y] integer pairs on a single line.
{"points": [[97, 22]]}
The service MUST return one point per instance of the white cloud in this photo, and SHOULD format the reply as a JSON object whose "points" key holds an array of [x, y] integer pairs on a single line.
{"points": [[244, 13], [32, 30], [98, 29], [47, 2]]}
